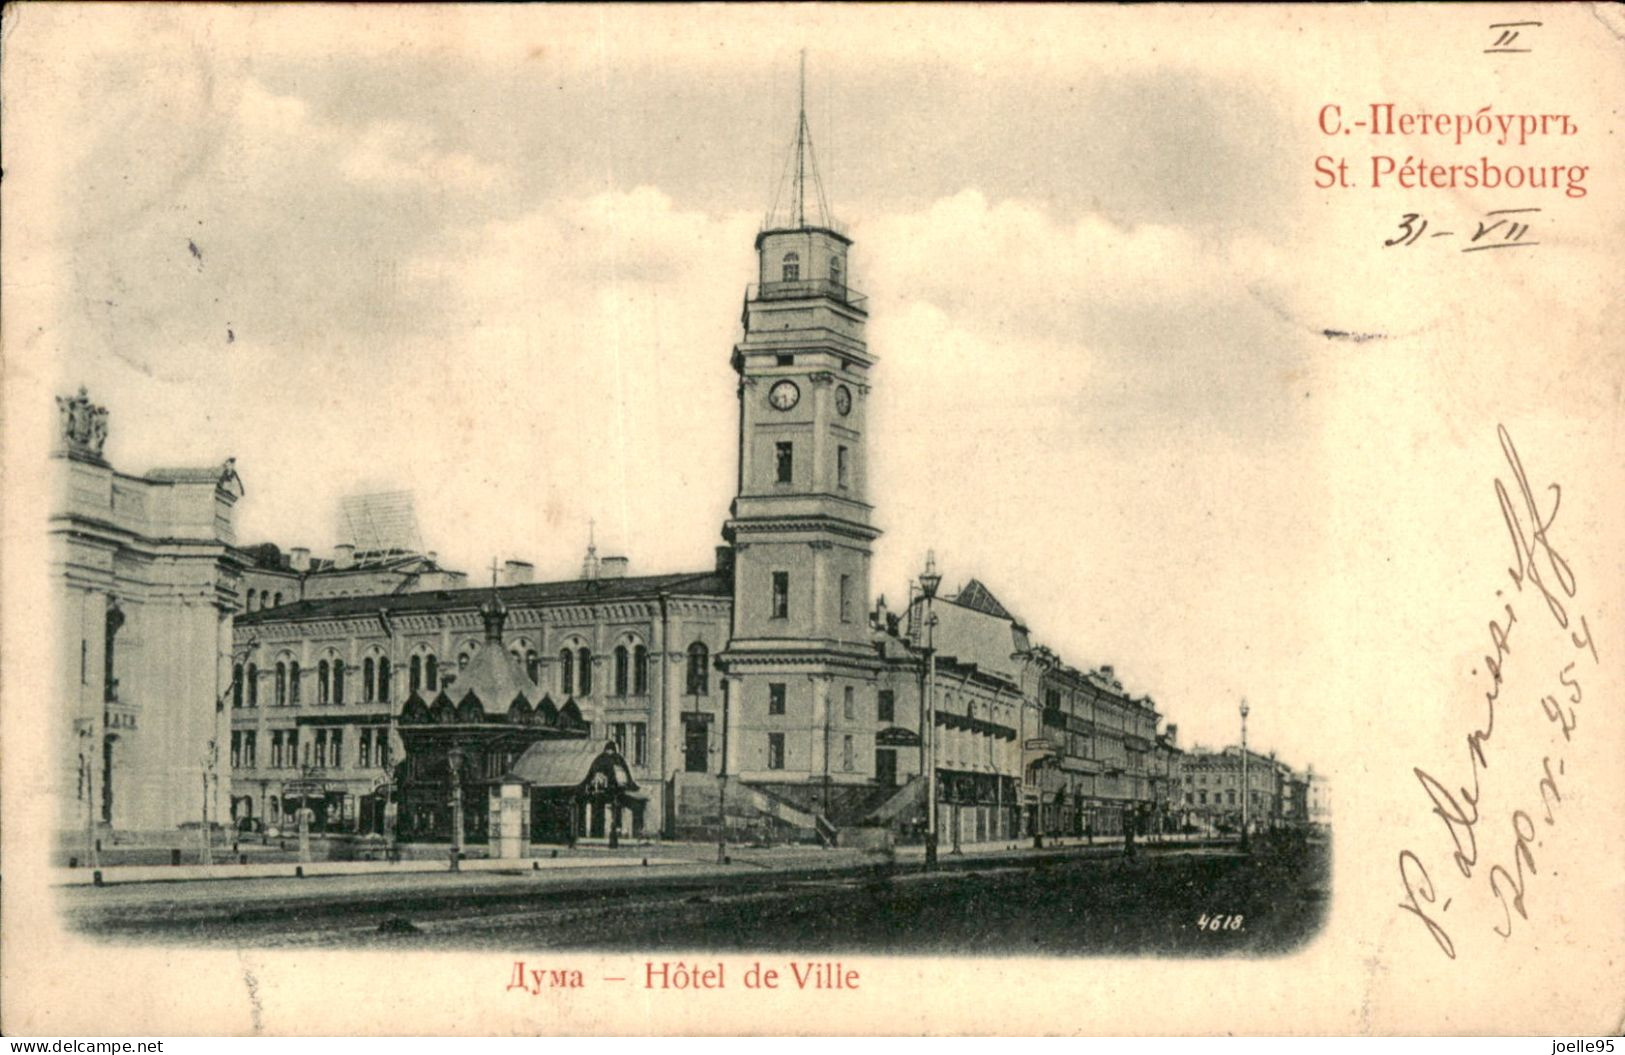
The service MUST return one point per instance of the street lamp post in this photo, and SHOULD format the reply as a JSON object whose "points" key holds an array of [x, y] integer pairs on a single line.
{"points": [[454, 759], [929, 581], [722, 786], [1244, 787], [86, 728], [1275, 793]]}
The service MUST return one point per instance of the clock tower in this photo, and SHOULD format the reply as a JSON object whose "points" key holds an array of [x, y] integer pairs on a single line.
{"points": [[800, 666]]}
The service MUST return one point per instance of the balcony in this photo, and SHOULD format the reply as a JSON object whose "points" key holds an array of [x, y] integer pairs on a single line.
{"points": [[810, 287]]}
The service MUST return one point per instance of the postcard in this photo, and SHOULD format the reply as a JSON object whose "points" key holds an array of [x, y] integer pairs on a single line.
{"points": [[812, 519]]}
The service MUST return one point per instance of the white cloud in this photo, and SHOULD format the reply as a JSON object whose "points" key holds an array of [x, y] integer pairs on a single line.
{"points": [[401, 154]]}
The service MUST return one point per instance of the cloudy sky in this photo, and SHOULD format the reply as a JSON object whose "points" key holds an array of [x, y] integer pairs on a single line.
{"points": [[496, 256]]}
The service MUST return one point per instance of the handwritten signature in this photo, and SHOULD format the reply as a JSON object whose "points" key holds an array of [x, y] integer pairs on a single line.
{"points": [[1541, 568]]}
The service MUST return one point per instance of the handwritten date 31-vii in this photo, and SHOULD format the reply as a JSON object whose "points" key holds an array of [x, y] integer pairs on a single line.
{"points": [[1542, 575]]}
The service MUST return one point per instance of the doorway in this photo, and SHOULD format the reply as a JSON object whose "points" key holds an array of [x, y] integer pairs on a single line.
{"points": [[696, 745], [886, 767]]}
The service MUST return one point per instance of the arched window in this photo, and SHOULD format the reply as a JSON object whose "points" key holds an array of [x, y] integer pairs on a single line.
{"points": [[276, 601], [323, 683], [281, 684], [253, 685], [792, 267], [622, 665], [293, 683], [835, 271], [414, 675], [367, 672], [699, 669], [567, 666], [640, 671], [533, 666], [250, 605], [431, 673], [462, 658], [383, 680], [338, 681], [584, 671], [237, 685]]}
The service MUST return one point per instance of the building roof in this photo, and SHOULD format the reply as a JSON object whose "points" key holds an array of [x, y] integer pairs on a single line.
{"points": [[975, 596], [186, 474], [270, 556], [495, 678], [569, 763], [580, 591]]}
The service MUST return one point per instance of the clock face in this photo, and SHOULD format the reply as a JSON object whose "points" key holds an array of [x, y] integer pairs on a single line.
{"points": [[843, 400], [784, 395]]}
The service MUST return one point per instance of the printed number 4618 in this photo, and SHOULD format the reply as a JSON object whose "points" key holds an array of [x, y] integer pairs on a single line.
{"points": [[1206, 922]]}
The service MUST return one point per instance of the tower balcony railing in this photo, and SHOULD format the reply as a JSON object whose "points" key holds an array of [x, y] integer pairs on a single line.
{"points": [[808, 287]]}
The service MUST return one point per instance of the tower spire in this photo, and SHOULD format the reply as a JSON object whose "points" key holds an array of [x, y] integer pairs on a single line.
{"points": [[801, 167], [589, 563], [801, 147], [493, 611]]}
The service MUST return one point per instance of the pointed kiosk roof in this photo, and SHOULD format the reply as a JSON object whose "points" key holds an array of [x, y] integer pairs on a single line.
{"points": [[494, 677]]}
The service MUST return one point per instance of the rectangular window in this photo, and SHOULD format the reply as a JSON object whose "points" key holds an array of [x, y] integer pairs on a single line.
{"points": [[846, 753], [775, 698], [841, 473], [784, 460], [640, 744], [781, 595], [321, 746], [886, 710], [381, 738], [363, 756], [617, 733], [250, 752], [846, 598], [335, 749], [295, 759], [276, 750], [775, 750], [849, 703], [236, 750]]}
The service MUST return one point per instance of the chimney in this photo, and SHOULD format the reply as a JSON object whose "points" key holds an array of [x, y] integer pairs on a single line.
{"points": [[1173, 735], [344, 555], [299, 558], [613, 567], [517, 572], [433, 558], [725, 560]]}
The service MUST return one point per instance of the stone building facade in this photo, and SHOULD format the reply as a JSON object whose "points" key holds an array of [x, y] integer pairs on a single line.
{"points": [[1212, 785], [324, 682], [147, 578]]}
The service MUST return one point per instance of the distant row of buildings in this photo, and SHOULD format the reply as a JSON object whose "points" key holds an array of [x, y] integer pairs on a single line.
{"points": [[769, 694]]}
